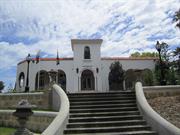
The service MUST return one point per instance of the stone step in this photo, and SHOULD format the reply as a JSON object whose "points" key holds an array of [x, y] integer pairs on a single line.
{"points": [[107, 129], [117, 109], [105, 118], [105, 114], [106, 124], [103, 106], [101, 114], [101, 99], [101, 95], [143, 132], [102, 102]]}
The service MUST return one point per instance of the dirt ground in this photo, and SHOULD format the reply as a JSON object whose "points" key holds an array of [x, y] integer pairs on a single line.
{"points": [[168, 108]]}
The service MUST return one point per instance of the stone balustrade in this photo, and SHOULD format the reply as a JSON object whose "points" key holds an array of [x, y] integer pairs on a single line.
{"points": [[159, 124]]}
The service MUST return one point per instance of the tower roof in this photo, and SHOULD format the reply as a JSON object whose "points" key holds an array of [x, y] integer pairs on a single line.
{"points": [[85, 41]]}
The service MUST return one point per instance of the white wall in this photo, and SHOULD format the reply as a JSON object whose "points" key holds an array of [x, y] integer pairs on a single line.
{"points": [[91, 64], [69, 67], [65, 65]]}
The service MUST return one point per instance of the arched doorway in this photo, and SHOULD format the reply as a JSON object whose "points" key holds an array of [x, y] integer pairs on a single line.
{"points": [[42, 80], [62, 79], [21, 80], [87, 80]]}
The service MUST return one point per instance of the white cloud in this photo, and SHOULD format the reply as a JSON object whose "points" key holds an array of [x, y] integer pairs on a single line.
{"points": [[123, 25]]}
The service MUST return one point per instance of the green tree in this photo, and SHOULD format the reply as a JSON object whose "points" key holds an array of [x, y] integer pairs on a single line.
{"points": [[176, 63], [176, 18], [147, 77], [144, 54], [136, 54], [116, 76], [157, 74], [1, 86], [149, 54], [171, 77], [168, 65], [176, 54], [165, 52]]}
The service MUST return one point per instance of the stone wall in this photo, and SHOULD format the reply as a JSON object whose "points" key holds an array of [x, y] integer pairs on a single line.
{"points": [[159, 91], [38, 122], [41, 99]]}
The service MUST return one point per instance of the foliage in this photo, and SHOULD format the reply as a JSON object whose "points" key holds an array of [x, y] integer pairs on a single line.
{"points": [[170, 74], [157, 73], [165, 52], [10, 88], [166, 71], [134, 75], [136, 54], [1, 86], [144, 54], [171, 79], [177, 18], [163, 66], [171, 67], [176, 54], [116, 76], [147, 77]]}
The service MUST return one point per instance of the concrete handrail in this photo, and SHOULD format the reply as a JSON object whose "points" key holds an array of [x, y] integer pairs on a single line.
{"points": [[159, 124], [167, 87], [59, 123]]}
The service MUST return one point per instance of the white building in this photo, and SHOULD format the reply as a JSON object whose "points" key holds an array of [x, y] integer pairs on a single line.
{"points": [[87, 70]]}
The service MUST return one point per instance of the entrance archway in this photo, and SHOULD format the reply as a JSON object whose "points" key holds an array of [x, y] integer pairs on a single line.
{"points": [[62, 79], [42, 80], [87, 80]]}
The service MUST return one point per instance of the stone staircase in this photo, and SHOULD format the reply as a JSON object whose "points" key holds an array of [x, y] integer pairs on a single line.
{"points": [[112, 113]]}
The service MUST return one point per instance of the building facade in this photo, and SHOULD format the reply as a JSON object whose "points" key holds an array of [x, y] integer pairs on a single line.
{"points": [[87, 70]]}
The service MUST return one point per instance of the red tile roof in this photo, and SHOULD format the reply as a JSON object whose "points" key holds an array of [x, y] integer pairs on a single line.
{"points": [[47, 59], [129, 58]]}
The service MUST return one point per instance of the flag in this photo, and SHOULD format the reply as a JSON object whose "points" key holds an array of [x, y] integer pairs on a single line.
{"points": [[37, 56], [57, 58]]}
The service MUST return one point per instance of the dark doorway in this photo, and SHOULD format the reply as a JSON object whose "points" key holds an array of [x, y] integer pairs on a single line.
{"points": [[62, 79], [87, 80]]}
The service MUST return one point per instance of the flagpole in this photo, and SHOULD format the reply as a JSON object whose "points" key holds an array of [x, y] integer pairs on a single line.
{"points": [[57, 63], [38, 74], [38, 61]]}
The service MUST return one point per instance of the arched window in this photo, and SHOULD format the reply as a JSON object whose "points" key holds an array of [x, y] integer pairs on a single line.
{"points": [[21, 80], [87, 54]]}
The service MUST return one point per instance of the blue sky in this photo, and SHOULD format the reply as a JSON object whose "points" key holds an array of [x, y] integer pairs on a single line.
{"points": [[125, 26]]}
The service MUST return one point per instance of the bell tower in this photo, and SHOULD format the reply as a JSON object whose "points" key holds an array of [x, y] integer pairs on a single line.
{"points": [[87, 57]]}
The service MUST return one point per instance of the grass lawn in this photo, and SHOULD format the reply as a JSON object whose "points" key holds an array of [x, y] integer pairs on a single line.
{"points": [[6, 131]]}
